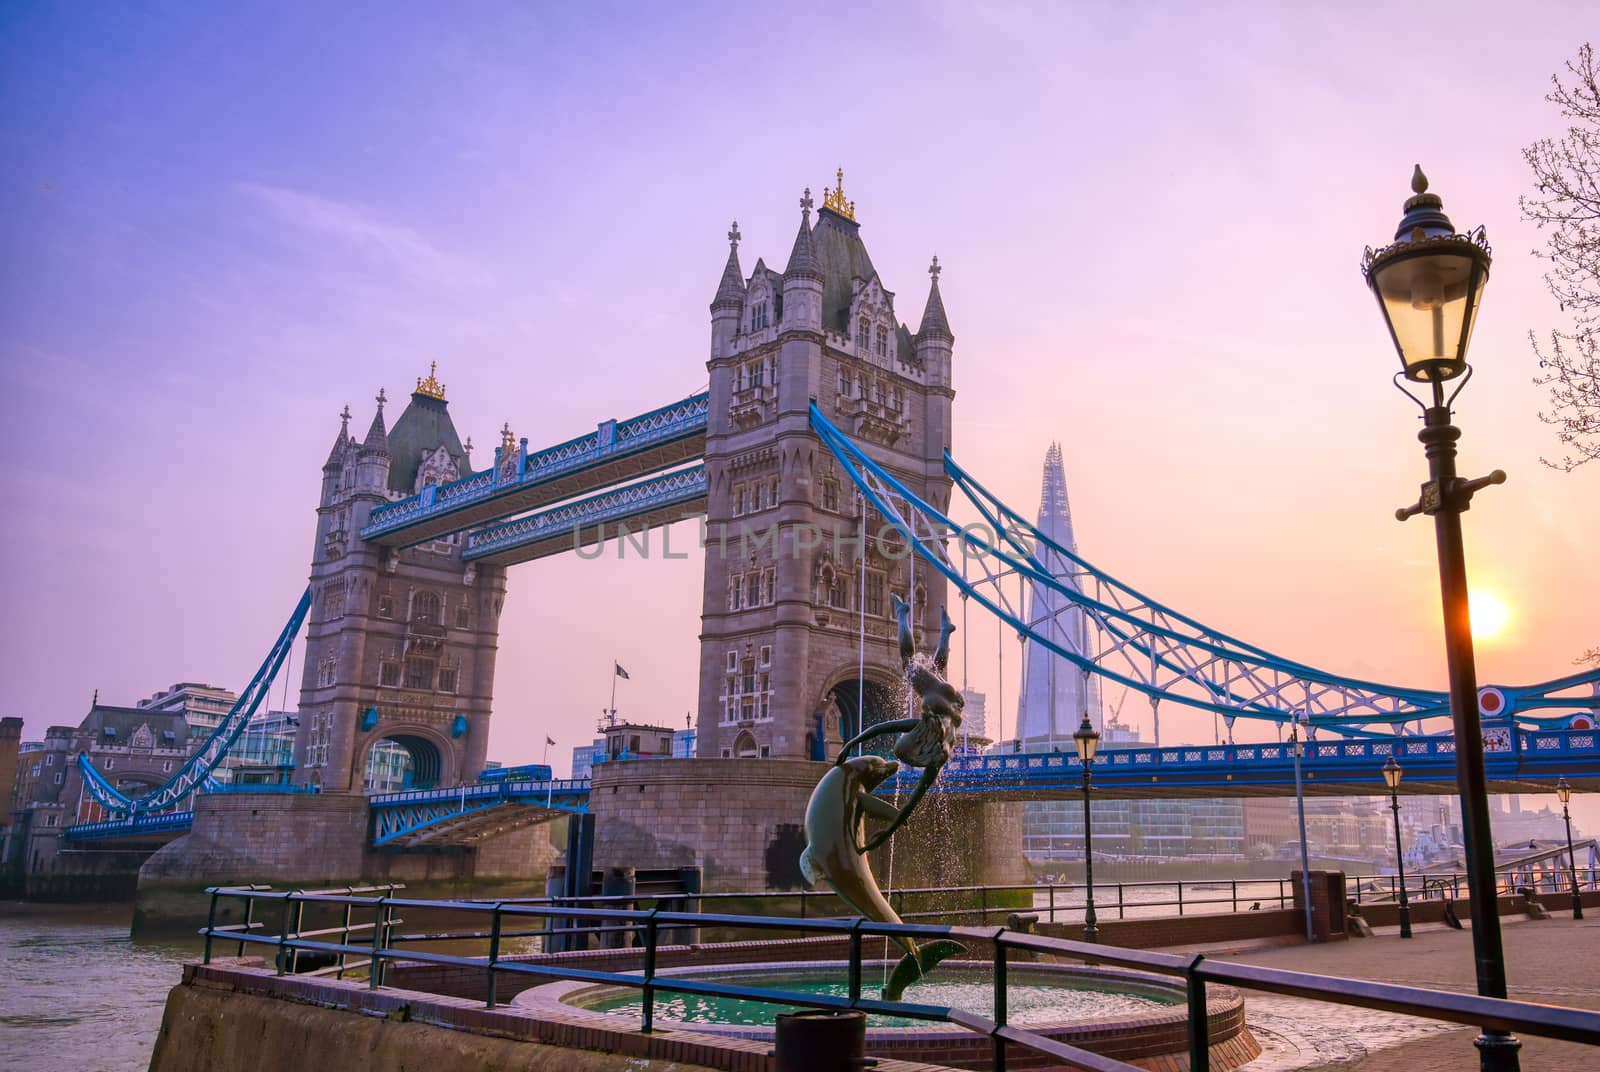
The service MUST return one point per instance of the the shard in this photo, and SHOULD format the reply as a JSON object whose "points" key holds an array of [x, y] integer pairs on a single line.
{"points": [[1055, 693]]}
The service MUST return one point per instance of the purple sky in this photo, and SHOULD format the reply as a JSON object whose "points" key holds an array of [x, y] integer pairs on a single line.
{"points": [[222, 225]]}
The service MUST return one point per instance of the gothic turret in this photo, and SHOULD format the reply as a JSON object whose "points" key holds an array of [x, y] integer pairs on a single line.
{"points": [[934, 340], [334, 466], [728, 304], [802, 277], [372, 461]]}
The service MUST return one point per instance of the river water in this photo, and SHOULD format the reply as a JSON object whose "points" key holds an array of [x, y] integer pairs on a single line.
{"points": [[76, 992]]}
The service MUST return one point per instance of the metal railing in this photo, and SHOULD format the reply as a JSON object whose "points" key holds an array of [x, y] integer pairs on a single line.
{"points": [[1450, 885], [1195, 971]]}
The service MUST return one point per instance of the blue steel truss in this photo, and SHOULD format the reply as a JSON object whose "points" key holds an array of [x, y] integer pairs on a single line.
{"points": [[1144, 645], [197, 769], [610, 441], [422, 815], [682, 488]]}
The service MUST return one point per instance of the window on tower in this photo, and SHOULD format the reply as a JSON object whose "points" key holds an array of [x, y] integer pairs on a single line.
{"points": [[447, 680], [419, 673], [883, 341], [389, 673], [863, 336], [463, 617], [874, 593], [425, 609]]}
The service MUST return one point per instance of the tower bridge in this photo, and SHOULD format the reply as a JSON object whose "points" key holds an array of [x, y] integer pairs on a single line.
{"points": [[824, 411]]}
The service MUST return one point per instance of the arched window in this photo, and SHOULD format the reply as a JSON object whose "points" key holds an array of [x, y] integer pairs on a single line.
{"points": [[744, 746], [425, 609], [863, 336], [883, 341]]}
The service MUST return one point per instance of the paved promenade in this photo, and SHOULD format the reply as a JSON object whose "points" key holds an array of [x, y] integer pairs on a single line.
{"points": [[1554, 961]]}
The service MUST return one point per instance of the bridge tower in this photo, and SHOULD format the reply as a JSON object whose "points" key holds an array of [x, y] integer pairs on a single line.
{"points": [[400, 642], [785, 581]]}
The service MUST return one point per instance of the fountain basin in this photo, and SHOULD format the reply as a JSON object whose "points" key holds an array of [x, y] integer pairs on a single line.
{"points": [[1131, 1016]]}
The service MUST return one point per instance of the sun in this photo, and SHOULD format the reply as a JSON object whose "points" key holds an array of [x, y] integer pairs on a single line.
{"points": [[1490, 616]]}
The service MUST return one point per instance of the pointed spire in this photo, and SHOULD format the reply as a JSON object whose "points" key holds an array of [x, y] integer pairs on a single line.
{"points": [[802, 261], [341, 442], [935, 325], [377, 440], [730, 292]]}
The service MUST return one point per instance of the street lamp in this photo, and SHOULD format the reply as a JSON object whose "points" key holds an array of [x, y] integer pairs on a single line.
{"points": [[1564, 791], [1428, 283], [1391, 775], [1297, 749], [1088, 741]]}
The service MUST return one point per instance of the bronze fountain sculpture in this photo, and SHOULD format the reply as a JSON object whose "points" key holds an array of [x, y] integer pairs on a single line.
{"points": [[843, 800]]}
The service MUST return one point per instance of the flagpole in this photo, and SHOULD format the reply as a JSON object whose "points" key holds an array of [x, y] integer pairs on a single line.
{"points": [[614, 666]]}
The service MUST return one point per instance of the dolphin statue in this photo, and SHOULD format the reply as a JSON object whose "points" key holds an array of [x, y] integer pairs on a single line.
{"points": [[835, 824]]}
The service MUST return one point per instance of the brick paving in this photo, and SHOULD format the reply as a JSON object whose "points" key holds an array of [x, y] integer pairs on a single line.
{"points": [[1554, 961]]}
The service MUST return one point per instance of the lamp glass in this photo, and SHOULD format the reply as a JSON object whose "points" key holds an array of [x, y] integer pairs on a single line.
{"points": [[1563, 790], [1430, 298], [1087, 740], [1391, 774]]}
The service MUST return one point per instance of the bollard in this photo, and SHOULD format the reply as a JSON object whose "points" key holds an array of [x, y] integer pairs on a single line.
{"points": [[821, 1040]]}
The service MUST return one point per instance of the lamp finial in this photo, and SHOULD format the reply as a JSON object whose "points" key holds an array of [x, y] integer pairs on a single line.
{"points": [[1419, 181]]}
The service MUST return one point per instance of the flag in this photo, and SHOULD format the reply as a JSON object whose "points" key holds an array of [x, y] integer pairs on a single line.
{"points": [[550, 740], [623, 674]]}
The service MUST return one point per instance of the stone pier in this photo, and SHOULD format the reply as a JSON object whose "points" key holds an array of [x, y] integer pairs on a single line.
{"points": [[319, 841], [740, 821]]}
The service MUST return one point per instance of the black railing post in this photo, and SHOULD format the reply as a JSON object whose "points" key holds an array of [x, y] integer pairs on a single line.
{"points": [[855, 961], [375, 968], [1199, 1026], [1120, 914], [650, 937], [344, 937], [1052, 902], [210, 925], [494, 951], [1180, 897], [249, 918], [999, 1002], [283, 932], [1236, 895]]}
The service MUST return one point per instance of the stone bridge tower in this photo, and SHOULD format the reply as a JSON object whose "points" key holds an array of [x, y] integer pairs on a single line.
{"points": [[400, 642], [786, 586]]}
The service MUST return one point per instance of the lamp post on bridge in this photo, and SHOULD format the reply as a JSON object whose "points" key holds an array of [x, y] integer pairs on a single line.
{"points": [[1088, 742], [1391, 775], [1428, 283], [1564, 792], [1297, 749]]}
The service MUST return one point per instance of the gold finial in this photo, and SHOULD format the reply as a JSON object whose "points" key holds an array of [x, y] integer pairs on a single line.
{"points": [[507, 438], [431, 387], [1419, 181], [833, 200]]}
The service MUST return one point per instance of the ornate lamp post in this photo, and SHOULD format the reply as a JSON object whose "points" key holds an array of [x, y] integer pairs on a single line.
{"points": [[1564, 791], [1391, 775], [1428, 283], [1297, 749], [1088, 742]]}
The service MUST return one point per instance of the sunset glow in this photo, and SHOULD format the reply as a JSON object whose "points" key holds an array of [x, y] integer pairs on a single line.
{"points": [[1490, 615]]}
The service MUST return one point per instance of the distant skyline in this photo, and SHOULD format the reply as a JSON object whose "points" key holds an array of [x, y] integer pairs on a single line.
{"points": [[222, 224]]}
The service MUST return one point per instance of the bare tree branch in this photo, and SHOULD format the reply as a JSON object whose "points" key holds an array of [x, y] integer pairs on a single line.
{"points": [[1565, 205]]}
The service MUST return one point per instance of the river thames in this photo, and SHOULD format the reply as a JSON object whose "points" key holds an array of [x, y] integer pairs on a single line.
{"points": [[79, 993]]}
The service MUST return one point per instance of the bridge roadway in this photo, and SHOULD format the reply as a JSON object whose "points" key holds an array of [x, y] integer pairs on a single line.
{"points": [[616, 451], [1529, 762]]}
